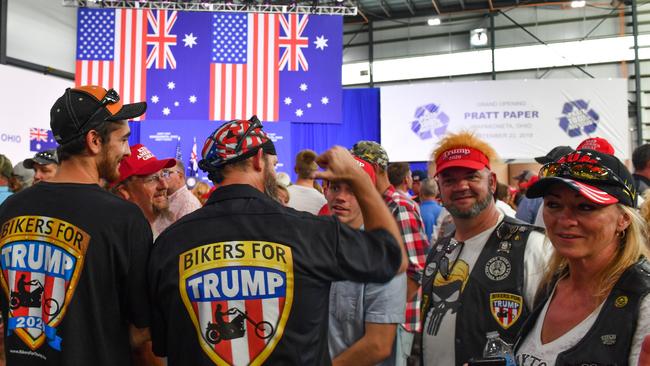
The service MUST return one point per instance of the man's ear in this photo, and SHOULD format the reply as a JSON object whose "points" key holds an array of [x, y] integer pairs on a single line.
{"points": [[257, 160], [94, 142], [122, 192]]}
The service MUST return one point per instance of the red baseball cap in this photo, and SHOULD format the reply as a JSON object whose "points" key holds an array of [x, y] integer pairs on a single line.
{"points": [[368, 168], [597, 143], [142, 162], [462, 156]]}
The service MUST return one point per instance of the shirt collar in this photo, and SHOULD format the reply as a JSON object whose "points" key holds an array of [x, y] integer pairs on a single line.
{"points": [[235, 191]]}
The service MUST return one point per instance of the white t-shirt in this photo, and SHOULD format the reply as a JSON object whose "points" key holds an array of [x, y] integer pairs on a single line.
{"points": [[533, 352], [305, 199], [505, 208], [439, 347]]}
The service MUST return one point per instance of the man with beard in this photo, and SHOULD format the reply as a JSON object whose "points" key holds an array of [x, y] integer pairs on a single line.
{"points": [[484, 276], [144, 182], [264, 268], [81, 246], [181, 199]]}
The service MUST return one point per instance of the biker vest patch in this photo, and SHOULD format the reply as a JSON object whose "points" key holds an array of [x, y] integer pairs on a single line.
{"points": [[41, 260], [238, 295]]}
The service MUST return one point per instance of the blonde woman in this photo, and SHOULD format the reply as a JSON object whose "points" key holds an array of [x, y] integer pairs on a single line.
{"points": [[592, 307]]}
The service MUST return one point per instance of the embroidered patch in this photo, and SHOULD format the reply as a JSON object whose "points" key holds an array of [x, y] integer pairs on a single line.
{"points": [[42, 259], [506, 308], [608, 339], [238, 295], [620, 301], [430, 268], [497, 268]]}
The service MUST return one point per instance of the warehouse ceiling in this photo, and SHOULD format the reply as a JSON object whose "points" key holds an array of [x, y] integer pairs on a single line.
{"points": [[395, 9]]}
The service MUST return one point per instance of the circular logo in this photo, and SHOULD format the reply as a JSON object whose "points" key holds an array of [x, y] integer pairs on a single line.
{"points": [[497, 268], [430, 268], [620, 301]]}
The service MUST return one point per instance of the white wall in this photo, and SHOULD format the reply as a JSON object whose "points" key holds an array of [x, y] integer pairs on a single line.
{"points": [[42, 32], [25, 101]]}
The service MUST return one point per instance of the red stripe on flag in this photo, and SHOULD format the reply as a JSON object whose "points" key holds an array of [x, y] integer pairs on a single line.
{"points": [[77, 74], [122, 50], [276, 70], [244, 93], [255, 312], [223, 92], [233, 94], [266, 69], [255, 39], [212, 96], [134, 20], [100, 73]]}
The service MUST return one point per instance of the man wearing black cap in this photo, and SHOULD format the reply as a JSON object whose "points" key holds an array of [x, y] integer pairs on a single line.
{"points": [[44, 163], [79, 251], [245, 280]]}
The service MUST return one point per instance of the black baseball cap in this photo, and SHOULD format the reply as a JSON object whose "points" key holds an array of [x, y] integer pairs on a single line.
{"points": [[555, 153], [84, 108], [601, 178], [43, 158]]}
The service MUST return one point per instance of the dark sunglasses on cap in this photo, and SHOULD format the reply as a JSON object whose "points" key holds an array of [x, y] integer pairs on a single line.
{"points": [[583, 171], [254, 123], [442, 257], [111, 97]]}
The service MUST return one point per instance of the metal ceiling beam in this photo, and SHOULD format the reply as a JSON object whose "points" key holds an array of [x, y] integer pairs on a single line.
{"points": [[462, 4], [410, 6], [221, 7], [384, 6], [435, 6]]}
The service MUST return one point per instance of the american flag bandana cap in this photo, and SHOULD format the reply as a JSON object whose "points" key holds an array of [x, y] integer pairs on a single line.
{"points": [[234, 141]]}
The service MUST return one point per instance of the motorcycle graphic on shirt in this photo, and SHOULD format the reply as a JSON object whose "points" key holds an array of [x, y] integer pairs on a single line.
{"points": [[41, 260], [238, 295]]}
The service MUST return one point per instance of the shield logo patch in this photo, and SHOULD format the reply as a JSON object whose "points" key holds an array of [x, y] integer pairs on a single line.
{"points": [[239, 296], [506, 308], [41, 260]]}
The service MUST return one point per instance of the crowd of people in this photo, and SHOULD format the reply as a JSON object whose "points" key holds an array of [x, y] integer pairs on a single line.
{"points": [[109, 258]]}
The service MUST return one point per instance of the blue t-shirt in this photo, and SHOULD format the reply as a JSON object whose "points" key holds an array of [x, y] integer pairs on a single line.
{"points": [[527, 209], [4, 193], [430, 211]]}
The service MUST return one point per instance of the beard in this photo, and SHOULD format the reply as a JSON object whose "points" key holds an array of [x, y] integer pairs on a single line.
{"points": [[270, 183], [473, 211], [108, 169]]}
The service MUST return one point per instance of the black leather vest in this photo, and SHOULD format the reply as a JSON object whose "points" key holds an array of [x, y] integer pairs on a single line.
{"points": [[609, 340], [492, 299]]}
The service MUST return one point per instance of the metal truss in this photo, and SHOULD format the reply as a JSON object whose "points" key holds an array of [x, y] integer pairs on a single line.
{"points": [[247, 7]]}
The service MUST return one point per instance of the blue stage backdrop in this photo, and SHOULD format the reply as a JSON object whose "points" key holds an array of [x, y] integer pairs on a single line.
{"points": [[168, 139], [360, 122]]}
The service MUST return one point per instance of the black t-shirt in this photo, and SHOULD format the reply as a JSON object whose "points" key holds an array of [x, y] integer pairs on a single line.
{"points": [[73, 260], [245, 279]]}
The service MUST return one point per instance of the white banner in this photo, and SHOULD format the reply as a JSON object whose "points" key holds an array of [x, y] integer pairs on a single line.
{"points": [[25, 101], [521, 119]]}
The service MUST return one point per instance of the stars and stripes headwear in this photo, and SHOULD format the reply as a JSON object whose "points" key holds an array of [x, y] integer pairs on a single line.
{"points": [[234, 141]]}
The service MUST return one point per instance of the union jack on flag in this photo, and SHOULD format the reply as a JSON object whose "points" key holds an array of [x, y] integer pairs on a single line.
{"points": [[293, 42], [38, 134], [161, 54]]}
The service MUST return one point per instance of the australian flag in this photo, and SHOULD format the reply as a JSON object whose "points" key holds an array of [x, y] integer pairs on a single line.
{"points": [[41, 139], [281, 67]]}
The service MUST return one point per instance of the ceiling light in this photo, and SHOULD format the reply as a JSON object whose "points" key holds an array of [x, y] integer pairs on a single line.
{"points": [[578, 4], [433, 21]]}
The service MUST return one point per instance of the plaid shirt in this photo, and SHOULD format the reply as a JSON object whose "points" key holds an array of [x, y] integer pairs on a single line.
{"points": [[409, 220]]}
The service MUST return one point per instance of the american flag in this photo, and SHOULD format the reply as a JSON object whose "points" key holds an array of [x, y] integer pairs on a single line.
{"points": [[244, 74], [111, 51], [161, 53], [194, 165]]}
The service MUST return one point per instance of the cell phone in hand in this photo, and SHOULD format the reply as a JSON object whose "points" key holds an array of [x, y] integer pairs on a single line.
{"points": [[488, 361]]}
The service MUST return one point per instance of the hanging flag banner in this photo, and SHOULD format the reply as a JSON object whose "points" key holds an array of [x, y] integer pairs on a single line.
{"points": [[521, 119], [215, 66]]}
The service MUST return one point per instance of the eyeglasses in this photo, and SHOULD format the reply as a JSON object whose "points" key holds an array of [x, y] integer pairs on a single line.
{"points": [[583, 170], [441, 258], [254, 123], [154, 177], [170, 172]]}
